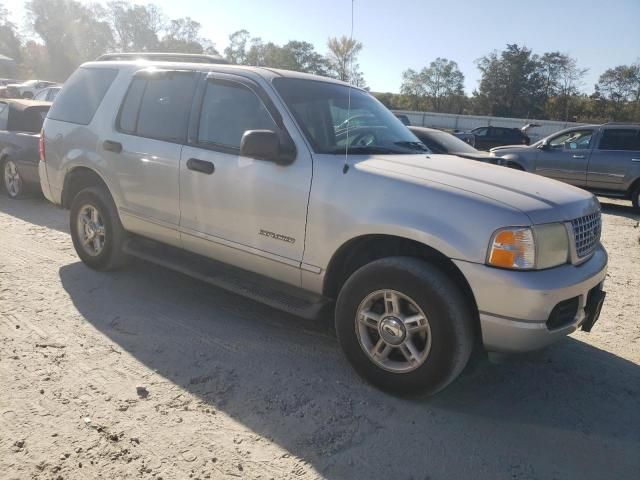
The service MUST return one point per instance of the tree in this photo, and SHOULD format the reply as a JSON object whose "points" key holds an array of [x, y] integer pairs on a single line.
{"points": [[236, 51], [561, 79], [342, 57], [512, 84], [135, 27], [9, 39], [72, 33], [183, 35], [618, 89]]}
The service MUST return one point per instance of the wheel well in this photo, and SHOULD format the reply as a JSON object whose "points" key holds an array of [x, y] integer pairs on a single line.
{"points": [[362, 250], [514, 165], [632, 188], [78, 179]]}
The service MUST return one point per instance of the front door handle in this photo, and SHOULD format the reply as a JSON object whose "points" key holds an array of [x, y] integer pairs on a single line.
{"points": [[201, 166], [635, 159], [578, 156], [111, 146]]}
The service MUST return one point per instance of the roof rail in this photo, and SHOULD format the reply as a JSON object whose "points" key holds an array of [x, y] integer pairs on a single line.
{"points": [[163, 57], [622, 123]]}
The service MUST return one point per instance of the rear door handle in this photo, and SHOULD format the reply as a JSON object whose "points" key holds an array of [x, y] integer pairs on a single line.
{"points": [[111, 146], [578, 156], [635, 159], [202, 166]]}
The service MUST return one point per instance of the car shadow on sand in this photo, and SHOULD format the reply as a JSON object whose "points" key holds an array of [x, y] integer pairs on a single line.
{"points": [[570, 411], [35, 209], [617, 209]]}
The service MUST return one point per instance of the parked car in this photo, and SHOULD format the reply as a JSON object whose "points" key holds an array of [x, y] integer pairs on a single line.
{"points": [[235, 175], [48, 94], [403, 118], [604, 159], [20, 125], [27, 89], [442, 142], [6, 81], [486, 138]]}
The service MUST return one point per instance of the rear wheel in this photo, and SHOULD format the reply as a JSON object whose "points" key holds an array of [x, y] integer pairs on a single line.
{"points": [[404, 325], [13, 183], [96, 231]]}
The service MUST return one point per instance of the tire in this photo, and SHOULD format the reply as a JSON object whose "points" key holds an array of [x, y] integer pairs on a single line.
{"points": [[104, 251], [448, 338], [12, 181], [635, 197]]}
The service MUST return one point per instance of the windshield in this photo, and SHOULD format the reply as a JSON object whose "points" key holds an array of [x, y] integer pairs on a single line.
{"points": [[323, 111], [451, 143]]}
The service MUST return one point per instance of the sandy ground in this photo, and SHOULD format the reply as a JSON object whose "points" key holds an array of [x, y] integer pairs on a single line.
{"points": [[145, 373]]}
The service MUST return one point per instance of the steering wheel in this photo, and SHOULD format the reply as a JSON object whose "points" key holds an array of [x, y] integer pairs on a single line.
{"points": [[364, 139]]}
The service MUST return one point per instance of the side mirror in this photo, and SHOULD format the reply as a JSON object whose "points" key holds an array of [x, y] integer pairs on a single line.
{"points": [[266, 145], [544, 146]]}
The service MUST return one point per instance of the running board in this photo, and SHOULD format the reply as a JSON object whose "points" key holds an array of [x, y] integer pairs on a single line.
{"points": [[274, 293]]}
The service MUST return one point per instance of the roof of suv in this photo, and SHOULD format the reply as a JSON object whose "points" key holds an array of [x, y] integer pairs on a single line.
{"points": [[264, 72]]}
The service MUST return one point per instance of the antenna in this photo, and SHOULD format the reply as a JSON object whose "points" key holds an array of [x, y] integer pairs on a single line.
{"points": [[345, 167]]}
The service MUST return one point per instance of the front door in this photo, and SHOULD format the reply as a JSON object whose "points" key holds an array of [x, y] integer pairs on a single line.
{"points": [[566, 157], [247, 212]]}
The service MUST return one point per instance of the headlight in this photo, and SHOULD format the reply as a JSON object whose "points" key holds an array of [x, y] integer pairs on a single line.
{"points": [[529, 248]]}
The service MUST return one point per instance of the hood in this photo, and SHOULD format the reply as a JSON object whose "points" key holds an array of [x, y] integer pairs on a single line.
{"points": [[508, 148], [479, 156], [543, 200]]}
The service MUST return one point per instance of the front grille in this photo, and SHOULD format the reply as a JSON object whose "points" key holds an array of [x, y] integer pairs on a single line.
{"points": [[586, 231]]}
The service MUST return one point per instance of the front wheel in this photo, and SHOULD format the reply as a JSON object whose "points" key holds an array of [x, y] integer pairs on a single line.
{"points": [[96, 231], [404, 325]]}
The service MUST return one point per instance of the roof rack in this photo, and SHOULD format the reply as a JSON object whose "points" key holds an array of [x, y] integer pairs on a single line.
{"points": [[161, 56]]}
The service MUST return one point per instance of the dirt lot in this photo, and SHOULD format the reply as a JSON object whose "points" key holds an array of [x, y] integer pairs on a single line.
{"points": [[146, 373]]}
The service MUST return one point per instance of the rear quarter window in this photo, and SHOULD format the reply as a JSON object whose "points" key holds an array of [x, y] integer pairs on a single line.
{"points": [[620, 139], [82, 94]]}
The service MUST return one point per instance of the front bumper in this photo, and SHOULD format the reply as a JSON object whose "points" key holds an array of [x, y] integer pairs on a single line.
{"points": [[514, 307]]}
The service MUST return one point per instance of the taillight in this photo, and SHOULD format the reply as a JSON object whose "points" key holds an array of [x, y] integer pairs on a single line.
{"points": [[41, 146]]}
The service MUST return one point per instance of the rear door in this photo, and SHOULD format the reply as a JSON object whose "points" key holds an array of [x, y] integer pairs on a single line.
{"points": [[617, 153], [144, 150], [567, 157]]}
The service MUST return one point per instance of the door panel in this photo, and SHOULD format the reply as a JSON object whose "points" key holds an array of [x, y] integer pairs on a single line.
{"points": [[244, 210], [567, 157], [614, 158], [147, 174]]}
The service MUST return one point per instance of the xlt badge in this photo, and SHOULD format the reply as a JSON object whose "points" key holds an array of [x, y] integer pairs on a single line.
{"points": [[277, 236]]}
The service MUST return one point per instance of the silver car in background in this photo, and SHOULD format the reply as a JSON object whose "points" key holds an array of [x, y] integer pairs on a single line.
{"points": [[604, 159]]}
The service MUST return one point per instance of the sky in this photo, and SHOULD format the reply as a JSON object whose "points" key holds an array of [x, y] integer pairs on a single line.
{"points": [[401, 34]]}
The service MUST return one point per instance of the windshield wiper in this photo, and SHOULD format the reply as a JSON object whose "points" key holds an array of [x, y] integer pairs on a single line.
{"points": [[367, 150], [417, 146]]}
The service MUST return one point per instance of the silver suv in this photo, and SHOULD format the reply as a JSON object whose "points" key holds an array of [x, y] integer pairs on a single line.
{"points": [[248, 178], [604, 159]]}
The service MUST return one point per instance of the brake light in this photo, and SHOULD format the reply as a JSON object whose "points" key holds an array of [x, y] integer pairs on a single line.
{"points": [[41, 146]]}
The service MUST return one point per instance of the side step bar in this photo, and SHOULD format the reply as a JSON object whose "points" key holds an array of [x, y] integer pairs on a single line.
{"points": [[274, 293]]}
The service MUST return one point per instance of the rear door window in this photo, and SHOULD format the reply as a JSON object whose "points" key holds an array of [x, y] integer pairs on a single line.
{"points": [[158, 106], [620, 139], [82, 94]]}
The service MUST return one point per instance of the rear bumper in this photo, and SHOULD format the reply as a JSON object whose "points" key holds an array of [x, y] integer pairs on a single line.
{"points": [[47, 191], [514, 307]]}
